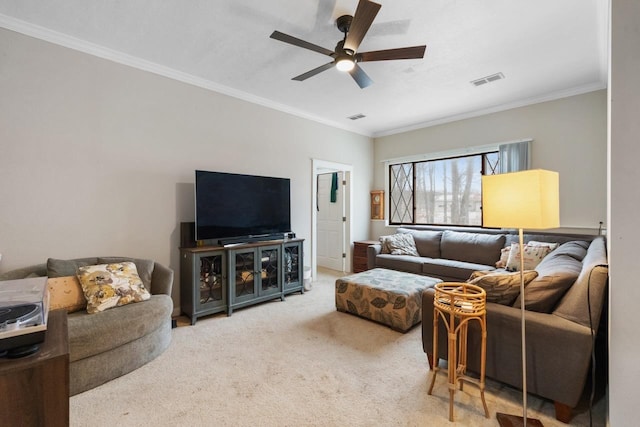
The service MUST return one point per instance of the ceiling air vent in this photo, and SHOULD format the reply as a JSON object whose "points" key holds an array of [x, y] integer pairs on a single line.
{"points": [[487, 79], [357, 116]]}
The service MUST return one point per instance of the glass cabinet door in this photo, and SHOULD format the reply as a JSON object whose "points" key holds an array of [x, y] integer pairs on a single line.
{"points": [[244, 283], [292, 265], [270, 270], [211, 292]]}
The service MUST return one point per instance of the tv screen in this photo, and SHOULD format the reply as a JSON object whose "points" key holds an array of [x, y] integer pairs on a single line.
{"points": [[231, 205]]}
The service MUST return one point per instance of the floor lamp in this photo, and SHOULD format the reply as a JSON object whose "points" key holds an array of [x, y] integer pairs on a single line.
{"points": [[528, 199]]}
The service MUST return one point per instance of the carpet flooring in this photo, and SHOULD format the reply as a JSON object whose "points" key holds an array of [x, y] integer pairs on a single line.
{"points": [[297, 363]]}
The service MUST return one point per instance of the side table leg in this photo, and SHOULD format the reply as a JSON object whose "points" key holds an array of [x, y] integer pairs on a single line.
{"points": [[452, 370], [483, 362], [436, 359], [462, 354]]}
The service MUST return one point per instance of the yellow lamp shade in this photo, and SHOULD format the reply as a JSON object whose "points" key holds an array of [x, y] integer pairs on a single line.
{"points": [[528, 199]]}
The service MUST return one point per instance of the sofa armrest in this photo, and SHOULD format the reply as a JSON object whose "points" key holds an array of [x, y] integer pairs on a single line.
{"points": [[372, 252], [161, 280]]}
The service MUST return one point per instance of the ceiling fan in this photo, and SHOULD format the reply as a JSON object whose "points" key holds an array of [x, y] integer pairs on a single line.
{"points": [[345, 55]]}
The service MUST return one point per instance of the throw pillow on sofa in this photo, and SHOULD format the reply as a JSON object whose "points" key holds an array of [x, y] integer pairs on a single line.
{"points": [[505, 252], [110, 285], [66, 292], [533, 255], [399, 244], [427, 241], [502, 288], [551, 245], [504, 257]]}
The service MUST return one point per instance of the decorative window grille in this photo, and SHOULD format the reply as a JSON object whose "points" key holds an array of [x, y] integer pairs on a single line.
{"points": [[440, 192], [401, 193]]}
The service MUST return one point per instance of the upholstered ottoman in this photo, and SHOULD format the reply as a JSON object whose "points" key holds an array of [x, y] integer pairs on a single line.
{"points": [[390, 297]]}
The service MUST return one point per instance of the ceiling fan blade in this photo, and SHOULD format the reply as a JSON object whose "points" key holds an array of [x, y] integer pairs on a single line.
{"points": [[313, 72], [362, 20], [277, 35], [360, 77], [413, 52]]}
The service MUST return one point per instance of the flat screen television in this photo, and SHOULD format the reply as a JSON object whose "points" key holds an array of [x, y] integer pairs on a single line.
{"points": [[233, 207]]}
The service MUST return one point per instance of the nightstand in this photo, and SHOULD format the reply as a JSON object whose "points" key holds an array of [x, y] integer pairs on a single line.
{"points": [[360, 255]]}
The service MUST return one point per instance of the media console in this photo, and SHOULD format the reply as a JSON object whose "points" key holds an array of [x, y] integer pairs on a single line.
{"points": [[215, 279]]}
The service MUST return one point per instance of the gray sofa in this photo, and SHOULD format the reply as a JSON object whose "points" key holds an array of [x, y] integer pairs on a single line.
{"points": [[109, 344], [564, 305], [452, 254]]}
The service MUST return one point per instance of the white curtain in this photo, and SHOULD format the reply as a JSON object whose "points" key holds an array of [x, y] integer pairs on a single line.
{"points": [[515, 156]]}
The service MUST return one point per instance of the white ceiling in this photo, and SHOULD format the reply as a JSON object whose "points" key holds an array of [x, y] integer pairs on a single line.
{"points": [[546, 49]]}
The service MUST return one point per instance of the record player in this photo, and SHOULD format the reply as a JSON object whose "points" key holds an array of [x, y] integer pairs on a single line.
{"points": [[24, 308]]}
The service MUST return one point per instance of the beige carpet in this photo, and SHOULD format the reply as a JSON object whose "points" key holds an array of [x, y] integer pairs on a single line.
{"points": [[295, 363]]}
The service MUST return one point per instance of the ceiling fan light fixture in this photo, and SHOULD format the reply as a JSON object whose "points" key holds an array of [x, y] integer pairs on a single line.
{"points": [[345, 63]]}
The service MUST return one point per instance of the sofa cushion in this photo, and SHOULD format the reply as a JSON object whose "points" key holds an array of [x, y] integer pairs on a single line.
{"points": [[427, 241], [91, 334], [575, 249], [110, 285], [67, 267], [556, 273], [408, 263], [399, 244], [501, 287], [471, 247], [451, 269]]}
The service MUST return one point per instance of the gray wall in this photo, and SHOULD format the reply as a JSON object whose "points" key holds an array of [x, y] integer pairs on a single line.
{"points": [[97, 158], [569, 136], [624, 203]]}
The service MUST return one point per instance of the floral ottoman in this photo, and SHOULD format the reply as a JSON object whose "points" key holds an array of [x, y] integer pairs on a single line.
{"points": [[391, 297]]}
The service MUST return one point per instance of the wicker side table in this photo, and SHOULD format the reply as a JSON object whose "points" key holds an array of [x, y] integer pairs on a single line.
{"points": [[458, 304]]}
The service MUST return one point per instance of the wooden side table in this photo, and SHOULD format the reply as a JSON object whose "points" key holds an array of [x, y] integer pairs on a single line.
{"points": [[35, 388], [458, 304], [360, 255]]}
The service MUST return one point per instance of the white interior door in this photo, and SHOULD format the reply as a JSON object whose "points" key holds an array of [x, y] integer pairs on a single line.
{"points": [[330, 223], [321, 167]]}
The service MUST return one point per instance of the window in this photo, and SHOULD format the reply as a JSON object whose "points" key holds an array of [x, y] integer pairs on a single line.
{"points": [[443, 191]]}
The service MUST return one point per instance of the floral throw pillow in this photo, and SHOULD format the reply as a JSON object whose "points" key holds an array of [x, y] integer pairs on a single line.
{"points": [[532, 256], [110, 285], [399, 244]]}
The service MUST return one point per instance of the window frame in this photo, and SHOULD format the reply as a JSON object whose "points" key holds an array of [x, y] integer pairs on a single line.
{"points": [[413, 163]]}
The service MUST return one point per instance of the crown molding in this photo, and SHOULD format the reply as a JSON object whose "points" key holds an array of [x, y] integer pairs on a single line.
{"points": [[578, 90], [65, 40]]}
